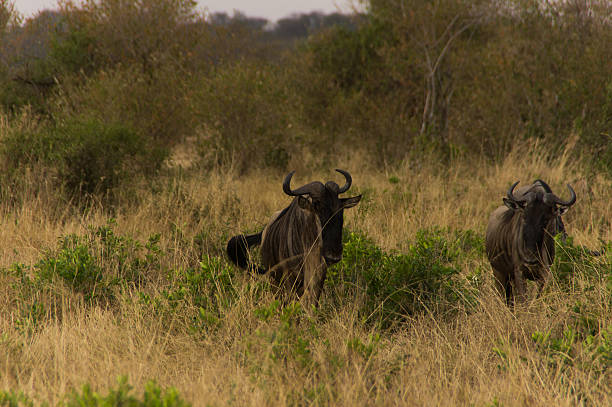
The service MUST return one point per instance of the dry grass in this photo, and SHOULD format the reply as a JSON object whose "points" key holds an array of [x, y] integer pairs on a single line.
{"points": [[429, 360]]}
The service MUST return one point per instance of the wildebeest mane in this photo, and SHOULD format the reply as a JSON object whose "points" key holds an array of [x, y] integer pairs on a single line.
{"points": [[500, 244], [281, 241]]}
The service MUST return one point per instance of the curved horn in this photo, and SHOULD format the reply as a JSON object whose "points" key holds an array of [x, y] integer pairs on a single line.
{"points": [[572, 199], [306, 189], [544, 185], [349, 181], [511, 192], [286, 182]]}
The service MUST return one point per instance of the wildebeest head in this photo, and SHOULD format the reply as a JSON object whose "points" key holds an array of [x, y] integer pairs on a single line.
{"points": [[323, 201], [541, 212]]}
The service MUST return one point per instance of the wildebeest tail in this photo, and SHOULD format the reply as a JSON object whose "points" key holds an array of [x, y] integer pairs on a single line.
{"points": [[238, 251]]}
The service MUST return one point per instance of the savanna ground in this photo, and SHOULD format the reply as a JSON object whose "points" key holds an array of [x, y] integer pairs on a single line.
{"points": [[131, 151], [219, 337]]}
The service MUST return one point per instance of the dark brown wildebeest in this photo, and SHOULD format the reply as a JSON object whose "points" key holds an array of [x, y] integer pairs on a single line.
{"points": [[519, 239], [302, 240]]}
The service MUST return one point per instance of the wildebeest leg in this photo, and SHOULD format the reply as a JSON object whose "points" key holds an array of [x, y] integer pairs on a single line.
{"points": [[509, 294], [520, 286], [321, 283], [503, 286], [287, 276], [314, 277], [543, 280], [313, 285]]}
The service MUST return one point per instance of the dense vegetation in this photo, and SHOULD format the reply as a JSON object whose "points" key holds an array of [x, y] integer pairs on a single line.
{"points": [[461, 78], [137, 136]]}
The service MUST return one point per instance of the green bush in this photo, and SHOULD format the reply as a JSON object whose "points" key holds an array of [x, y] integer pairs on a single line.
{"points": [[89, 157], [97, 157], [288, 340], [74, 264], [95, 264], [13, 399], [397, 285], [153, 396], [574, 264], [207, 291], [16, 94], [572, 347]]}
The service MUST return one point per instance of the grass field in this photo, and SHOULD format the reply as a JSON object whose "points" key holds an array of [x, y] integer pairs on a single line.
{"points": [[143, 290]]}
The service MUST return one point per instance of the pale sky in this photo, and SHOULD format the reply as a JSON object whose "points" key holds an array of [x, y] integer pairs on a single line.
{"points": [[269, 9]]}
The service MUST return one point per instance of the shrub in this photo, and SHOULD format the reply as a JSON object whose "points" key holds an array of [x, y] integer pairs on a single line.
{"points": [[74, 264], [94, 264], [573, 347], [70, 50], [396, 285], [13, 399], [153, 396], [97, 157], [88, 156], [26, 76], [207, 291], [578, 265], [286, 338], [594, 133]]}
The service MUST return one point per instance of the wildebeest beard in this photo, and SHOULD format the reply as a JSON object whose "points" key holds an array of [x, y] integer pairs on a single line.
{"points": [[538, 223]]}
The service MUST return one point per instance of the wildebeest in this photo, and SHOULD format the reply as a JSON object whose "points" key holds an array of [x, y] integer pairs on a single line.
{"points": [[302, 240], [519, 238]]}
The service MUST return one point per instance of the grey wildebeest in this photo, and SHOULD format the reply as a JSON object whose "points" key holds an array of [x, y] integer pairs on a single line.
{"points": [[520, 237], [302, 240]]}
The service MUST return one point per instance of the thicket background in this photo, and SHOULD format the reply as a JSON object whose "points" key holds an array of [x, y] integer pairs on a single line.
{"points": [[137, 136]]}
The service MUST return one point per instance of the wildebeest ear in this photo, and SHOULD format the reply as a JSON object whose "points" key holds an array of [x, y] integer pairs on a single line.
{"points": [[350, 202], [305, 202], [562, 209], [514, 205]]}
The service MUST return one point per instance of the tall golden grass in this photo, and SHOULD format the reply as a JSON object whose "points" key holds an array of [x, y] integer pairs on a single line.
{"points": [[484, 357]]}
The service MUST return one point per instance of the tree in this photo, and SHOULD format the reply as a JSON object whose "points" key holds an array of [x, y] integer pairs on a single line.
{"points": [[426, 31], [147, 33], [8, 16]]}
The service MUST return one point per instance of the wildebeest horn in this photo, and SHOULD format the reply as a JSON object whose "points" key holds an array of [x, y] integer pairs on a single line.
{"points": [[544, 185], [349, 181], [511, 192], [306, 189], [571, 201]]}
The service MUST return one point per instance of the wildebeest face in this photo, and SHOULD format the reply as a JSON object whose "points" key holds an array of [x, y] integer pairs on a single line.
{"points": [[540, 215], [323, 201], [536, 218], [329, 209]]}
